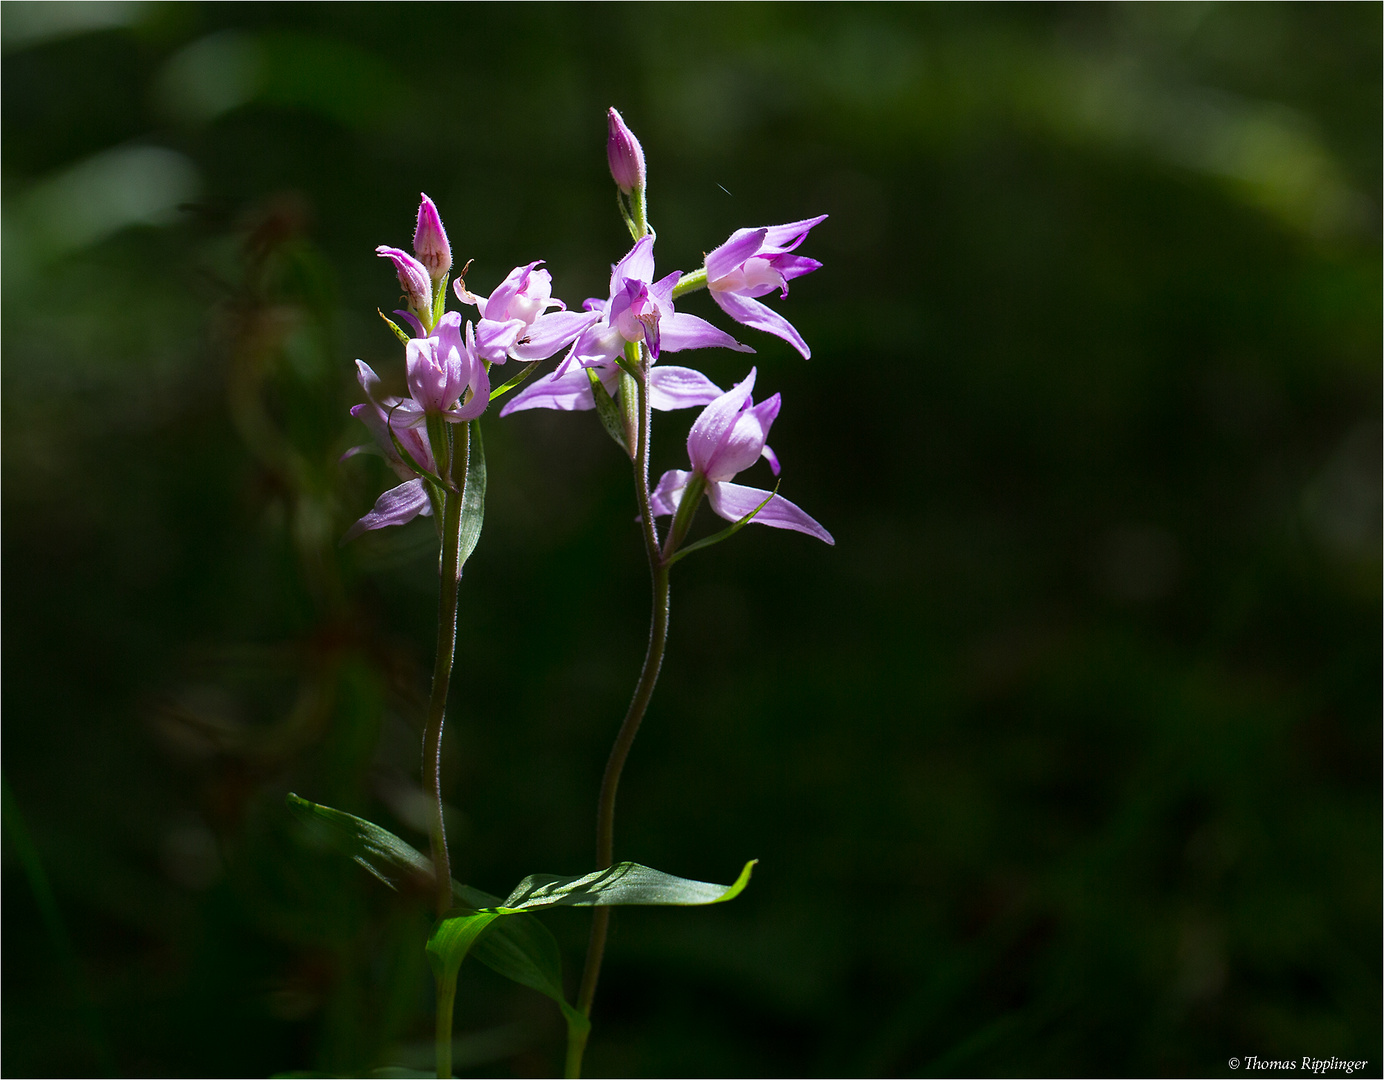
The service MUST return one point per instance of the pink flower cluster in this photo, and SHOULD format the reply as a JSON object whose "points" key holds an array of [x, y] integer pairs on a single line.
{"points": [[447, 361]]}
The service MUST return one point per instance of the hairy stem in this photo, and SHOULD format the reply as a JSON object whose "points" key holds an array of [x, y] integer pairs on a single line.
{"points": [[442, 666], [690, 282], [643, 692], [442, 673]]}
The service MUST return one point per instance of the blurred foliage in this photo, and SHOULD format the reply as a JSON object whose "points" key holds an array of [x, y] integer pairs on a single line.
{"points": [[1064, 761]]}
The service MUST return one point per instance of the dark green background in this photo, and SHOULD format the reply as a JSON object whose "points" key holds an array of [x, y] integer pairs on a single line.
{"points": [[1066, 758]]}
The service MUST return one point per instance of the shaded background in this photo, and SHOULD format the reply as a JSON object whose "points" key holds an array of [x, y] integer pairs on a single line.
{"points": [[1065, 760]]}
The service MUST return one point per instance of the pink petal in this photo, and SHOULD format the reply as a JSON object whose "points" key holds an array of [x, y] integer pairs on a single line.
{"points": [[710, 429], [664, 499], [637, 265], [734, 501], [494, 339], [680, 331], [552, 332], [787, 237], [498, 305], [397, 506], [743, 244], [569, 391], [675, 387], [754, 314], [744, 442]]}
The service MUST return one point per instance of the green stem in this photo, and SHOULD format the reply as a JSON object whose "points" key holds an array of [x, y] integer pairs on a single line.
{"points": [[576, 1047], [446, 999], [442, 672], [690, 283], [644, 690], [641, 211], [458, 452]]}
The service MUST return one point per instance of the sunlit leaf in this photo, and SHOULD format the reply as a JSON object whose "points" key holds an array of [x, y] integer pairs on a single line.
{"points": [[625, 883], [726, 533], [453, 937], [473, 499], [519, 947], [611, 418]]}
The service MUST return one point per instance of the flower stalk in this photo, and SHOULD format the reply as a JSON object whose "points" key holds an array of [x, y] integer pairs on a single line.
{"points": [[639, 704], [459, 452]]}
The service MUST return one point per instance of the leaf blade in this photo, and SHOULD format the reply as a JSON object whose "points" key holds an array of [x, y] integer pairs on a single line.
{"points": [[473, 498], [623, 884]]}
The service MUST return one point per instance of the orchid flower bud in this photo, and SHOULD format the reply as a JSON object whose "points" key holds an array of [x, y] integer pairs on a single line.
{"points": [[625, 155], [430, 241], [413, 279]]}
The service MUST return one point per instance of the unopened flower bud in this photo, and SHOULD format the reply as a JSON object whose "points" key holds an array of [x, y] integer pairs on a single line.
{"points": [[625, 155], [430, 241], [413, 279]]}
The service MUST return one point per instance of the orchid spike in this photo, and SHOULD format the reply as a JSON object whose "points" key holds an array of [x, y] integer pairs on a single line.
{"points": [[430, 241], [516, 320], [639, 309], [625, 155], [754, 262], [728, 437]]}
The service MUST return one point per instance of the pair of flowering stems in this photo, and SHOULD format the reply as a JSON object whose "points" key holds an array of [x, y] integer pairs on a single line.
{"points": [[430, 437]]}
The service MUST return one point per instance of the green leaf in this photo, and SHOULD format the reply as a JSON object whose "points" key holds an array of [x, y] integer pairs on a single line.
{"points": [[473, 500], [439, 307], [453, 937], [523, 950], [503, 389], [519, 947], [502, 934], [726, 533], [631, 403], [403, 453], [611, 418], [622, 884], [398, 331], [377, 850]]}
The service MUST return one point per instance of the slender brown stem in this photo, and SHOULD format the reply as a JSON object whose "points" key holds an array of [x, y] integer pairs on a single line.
{"points": [[644, 689]]}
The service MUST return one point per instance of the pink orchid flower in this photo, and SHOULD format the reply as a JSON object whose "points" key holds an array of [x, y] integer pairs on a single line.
{"points": [[399, 505], [754, 262], [728, 437], [638, 309], [516, 320]]}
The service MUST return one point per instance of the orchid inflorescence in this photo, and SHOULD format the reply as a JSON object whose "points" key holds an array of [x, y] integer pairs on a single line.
{"points": [[612, 350]]}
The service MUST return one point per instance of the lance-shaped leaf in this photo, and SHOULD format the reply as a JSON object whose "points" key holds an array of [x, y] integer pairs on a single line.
{"points": [[453, 937], [473, 500], [509, 940], [377, 850], [611, 418], [622, 884], [726, 533], [518, 946], [505, 388]]}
